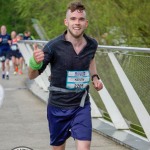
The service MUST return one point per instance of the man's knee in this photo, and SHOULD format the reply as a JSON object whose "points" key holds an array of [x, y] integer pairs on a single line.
{"points": [[61, 147], [83, 145]]}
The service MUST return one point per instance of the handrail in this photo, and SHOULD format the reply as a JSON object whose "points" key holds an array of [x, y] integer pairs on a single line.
{"points": [[120, 48], [32, 41]]}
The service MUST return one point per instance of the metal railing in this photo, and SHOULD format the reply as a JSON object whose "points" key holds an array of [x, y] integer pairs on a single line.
{"points": [[125, 73]]}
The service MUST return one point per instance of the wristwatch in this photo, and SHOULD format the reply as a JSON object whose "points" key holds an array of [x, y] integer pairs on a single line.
{"points": [[95, 75]]}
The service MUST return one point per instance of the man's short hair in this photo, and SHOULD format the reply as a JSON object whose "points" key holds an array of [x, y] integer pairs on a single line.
{"points": [[76, 6]]}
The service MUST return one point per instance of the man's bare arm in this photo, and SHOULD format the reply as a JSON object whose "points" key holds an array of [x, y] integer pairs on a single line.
{"points": [[92, 68], [93, 71], [38, 56], [32, 74]]}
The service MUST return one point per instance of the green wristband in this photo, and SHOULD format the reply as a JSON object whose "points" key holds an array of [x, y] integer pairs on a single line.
{"points": [[34, 65]]}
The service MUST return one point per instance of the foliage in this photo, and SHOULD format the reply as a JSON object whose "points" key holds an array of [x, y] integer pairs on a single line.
{"points": [[9, 16], [125, 22]]}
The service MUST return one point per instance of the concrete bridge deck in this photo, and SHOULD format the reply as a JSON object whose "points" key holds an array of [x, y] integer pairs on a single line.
{"points": [[23, 120]]}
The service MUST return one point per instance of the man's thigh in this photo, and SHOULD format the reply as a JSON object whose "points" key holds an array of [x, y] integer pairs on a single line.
{"points": [[81, 126]]}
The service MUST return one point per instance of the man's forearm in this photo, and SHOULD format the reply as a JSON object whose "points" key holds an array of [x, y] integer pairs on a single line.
{"points": [[32, 73], [92, 68]]}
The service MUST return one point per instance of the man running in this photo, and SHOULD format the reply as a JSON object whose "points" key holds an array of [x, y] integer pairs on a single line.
{"points": [[71, 56]]}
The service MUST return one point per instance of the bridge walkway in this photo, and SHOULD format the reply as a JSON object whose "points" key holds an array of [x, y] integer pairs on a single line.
{"points": [[23, 120]]}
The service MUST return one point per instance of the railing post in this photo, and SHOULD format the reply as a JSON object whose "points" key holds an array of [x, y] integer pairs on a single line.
{"points": [[135, 101]]}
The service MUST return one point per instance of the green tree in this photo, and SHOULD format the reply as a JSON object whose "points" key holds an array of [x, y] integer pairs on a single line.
{"points": [[125, 22], [9, 16]]}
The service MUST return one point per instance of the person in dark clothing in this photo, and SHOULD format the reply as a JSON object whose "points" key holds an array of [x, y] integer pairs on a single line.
{"points": [[71, 56], [27, 35], [5, 53]]}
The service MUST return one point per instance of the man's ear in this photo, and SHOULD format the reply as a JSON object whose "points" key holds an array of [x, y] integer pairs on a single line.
{"points": [[65, 22], [87, 22]]}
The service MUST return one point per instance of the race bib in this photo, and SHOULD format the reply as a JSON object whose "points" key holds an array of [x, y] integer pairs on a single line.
{"points": [[14, 47], [77, 79], [4, 40], [2, 58]]}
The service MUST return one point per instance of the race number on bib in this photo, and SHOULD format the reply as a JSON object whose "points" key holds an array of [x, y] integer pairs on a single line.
{"points": [[2, 58], [14, 47], [77, 79]]}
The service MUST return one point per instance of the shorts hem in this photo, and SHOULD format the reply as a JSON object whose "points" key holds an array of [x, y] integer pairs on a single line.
{"points": [[58, 144], [81, 139]]}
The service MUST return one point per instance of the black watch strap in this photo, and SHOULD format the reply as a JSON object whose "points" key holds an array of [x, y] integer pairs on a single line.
{"points": [[95, 75]]}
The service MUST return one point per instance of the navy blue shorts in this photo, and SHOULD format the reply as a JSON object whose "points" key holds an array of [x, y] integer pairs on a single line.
{"points": [[64, 123], [5, 53], [16, 54]]}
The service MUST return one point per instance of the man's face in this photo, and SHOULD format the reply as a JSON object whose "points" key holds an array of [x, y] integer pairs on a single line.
{"points": [[3, 30], [13, 34], [76, 22]]}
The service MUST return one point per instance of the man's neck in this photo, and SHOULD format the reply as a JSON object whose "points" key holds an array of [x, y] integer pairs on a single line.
{"points": [[3, 33], [75, 40], [78, 43]]}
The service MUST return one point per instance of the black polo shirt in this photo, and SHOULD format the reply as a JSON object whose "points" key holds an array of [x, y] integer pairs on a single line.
{"points": [[4, 45], [62, 57]]}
